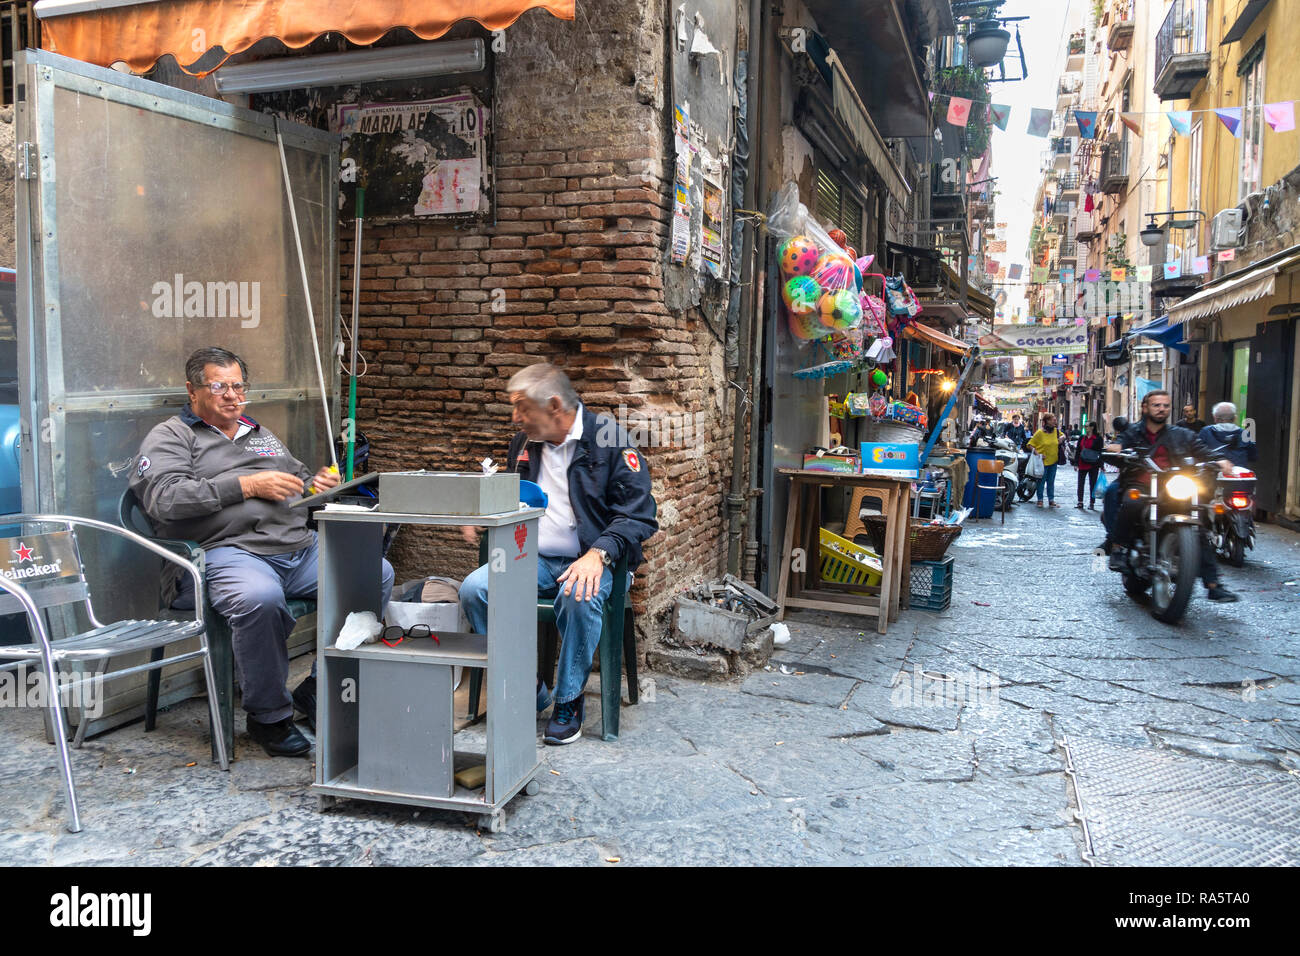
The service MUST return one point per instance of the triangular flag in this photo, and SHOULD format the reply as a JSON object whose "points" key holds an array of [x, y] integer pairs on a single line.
{"points": [[958, 110], [1227, 255], [999, 115], [1144, 273], [1181, 121], [1231, 118], [1087, 120], [1133, 121], [1040, 274], [1280, 116], [1092, 275], [1200, 265], [1040, 122], [932, 96], [1118, 274], [1014, 271], [1067, 274], [1173, 270]]}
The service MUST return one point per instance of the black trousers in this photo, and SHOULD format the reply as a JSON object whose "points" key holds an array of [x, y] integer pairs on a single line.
{"points": [[1130, 514], [1089, 476]]}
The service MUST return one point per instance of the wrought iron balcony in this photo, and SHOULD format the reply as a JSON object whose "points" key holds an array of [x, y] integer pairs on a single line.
{"points": [[1121, 27], [1114, 167], [1182, 59]]}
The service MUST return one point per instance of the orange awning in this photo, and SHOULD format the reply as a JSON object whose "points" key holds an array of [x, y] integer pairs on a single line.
{"points": [[923, 333], [140, 33]]}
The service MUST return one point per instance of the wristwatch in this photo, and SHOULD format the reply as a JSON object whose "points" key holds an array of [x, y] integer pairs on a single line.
{"points": [[604, 556]]}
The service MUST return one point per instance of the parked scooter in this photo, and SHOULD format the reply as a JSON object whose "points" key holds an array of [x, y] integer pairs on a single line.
{"points": [[1006, 452], [1027, 485], [1233, 515]]}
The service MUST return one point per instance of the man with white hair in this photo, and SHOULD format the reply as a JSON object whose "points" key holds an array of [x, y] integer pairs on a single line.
{"points": [[599, 508], [1225, 433]]}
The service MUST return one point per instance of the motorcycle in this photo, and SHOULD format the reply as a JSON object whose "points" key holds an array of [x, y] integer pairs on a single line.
{"points": [[1027, 485], [1005, 452], [1166, 550], [1233, 516]]}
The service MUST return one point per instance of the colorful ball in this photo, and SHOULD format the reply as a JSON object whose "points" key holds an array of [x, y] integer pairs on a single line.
{"points": [[879, 379], [834, 271], [841, 310], [801, 295], [805, 327], [838, 237], [798, 256]]}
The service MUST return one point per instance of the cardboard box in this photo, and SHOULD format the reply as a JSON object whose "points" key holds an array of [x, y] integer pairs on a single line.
{"points": [[833, 464], [891, 459]]}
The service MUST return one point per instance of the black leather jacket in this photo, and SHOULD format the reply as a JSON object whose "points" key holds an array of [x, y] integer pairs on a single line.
{"points": [[1178, 442]]}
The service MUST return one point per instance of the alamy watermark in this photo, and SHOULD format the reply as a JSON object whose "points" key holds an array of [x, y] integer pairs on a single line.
{"points": [[192, 299], [921, 689], [688, 430], [21, 688]]}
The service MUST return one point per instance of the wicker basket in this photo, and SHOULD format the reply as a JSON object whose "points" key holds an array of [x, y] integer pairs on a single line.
{"points": [[929, 541]]}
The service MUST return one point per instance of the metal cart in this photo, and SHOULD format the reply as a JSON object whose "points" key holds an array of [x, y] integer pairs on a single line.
{"points": [[384, 728]]}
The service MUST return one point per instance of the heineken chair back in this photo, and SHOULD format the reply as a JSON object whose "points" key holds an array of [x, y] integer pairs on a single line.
{"points": [[41, 574]]}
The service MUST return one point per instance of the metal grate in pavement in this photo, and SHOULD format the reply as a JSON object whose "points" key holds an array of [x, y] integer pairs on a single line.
{"points": [[1141, 807]]}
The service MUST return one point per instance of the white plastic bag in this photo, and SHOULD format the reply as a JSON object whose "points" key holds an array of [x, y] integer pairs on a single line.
{"points": [[1035, 468], [361, 627]]}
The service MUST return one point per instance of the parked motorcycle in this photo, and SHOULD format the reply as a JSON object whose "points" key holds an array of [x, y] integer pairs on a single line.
{"points": [[1005, 451], [1165, 554], [1027, 486], [1233, 515]]}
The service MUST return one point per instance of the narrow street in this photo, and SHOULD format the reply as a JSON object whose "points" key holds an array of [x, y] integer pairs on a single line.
{"points": [[852, 749]]}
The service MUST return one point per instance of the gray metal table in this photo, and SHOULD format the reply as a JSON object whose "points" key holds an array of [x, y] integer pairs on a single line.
{"points": [[384, 728]]}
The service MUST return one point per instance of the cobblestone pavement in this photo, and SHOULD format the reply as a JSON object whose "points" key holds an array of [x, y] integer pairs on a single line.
{"points": [[853, 748]]}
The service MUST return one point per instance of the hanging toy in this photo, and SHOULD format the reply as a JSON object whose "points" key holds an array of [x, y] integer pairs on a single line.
{"points": [[841, 310], [879, 379], [798, 256], [801, 295], [806, 327], [874, 313], [839, 237], [834, 271]]}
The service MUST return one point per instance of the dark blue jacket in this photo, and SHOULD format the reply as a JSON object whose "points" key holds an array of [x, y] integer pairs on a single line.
{"points": [[1230, 437], [609, 486]]}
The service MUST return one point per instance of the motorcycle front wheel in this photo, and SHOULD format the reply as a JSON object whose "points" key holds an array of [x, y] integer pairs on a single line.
{"points": [[1027, 488], [1175, 573]]}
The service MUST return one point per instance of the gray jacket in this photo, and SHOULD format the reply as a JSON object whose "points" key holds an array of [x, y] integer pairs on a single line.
{"points": [[187, 479]]}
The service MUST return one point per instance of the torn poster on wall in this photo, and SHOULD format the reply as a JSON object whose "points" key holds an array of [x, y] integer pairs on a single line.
{"points": [[681, 233]]}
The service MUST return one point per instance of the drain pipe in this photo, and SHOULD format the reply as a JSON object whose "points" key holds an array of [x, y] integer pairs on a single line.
{"points": [[736, 499]]}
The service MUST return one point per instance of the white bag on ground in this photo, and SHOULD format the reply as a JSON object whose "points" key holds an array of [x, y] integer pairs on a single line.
{"points": [[1035, 468]]}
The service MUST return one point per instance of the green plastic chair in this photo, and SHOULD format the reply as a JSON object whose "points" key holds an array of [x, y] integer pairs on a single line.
{"points": [[617, 639], [132, 517]]}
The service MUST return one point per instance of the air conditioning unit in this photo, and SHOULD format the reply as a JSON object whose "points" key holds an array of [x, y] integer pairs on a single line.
{"points": [[1225, 229]]}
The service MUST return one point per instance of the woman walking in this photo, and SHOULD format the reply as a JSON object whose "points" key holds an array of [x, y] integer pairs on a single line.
{"points": [[1048, 442], [1087, 457]]}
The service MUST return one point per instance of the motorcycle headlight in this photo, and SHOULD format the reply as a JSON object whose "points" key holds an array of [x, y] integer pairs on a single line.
{"points": [[1180, 487]]}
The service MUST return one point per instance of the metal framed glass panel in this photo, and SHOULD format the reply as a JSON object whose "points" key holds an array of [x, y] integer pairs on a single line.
{"points": [[151, 222]]}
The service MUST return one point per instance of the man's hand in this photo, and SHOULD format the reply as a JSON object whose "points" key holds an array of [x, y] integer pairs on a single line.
{"points": [[582, 577], [1114, 447], [271, 485], [470, 533], [1225, 466], [325, 479]]}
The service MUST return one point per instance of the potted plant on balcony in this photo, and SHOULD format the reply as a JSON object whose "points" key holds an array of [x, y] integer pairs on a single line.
{"points": [[969, 83]]}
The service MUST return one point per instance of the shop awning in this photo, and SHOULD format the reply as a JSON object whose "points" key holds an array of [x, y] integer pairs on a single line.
{"points": [[923, 333], [139, 32], [1170, 336], [1230, 291]]}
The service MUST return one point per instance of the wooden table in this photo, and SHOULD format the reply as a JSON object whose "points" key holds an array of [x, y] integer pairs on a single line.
{"points": [[804, 588]]}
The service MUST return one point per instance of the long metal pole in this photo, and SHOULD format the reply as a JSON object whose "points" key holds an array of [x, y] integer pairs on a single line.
{"points": [[306, 294], [351, 429]]}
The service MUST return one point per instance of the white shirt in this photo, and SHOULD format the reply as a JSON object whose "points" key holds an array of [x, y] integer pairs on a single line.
{"points": [[557, 530]]}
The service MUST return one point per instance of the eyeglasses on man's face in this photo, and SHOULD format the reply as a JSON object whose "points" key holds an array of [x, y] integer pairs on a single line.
{"points": [[220, 388]]}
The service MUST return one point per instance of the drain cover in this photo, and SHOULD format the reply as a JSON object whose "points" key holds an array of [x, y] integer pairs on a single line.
{"points": [[1152, 808]]}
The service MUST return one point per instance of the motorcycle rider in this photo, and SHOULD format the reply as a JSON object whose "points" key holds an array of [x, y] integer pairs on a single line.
{"points": [[1152, 437], [1226, 433]]}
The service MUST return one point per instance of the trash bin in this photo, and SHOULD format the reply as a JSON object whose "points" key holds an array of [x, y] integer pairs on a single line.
{"points": [[988, 496]]}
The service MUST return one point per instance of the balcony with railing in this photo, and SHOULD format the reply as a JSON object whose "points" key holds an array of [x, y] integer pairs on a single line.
{"points": [[1085, 227], [1069, 251], [1182, 56], [1114, 167], [1067, 183], [1120, 36]]}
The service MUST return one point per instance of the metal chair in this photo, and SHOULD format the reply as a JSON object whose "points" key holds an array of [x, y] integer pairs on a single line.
{"points": [[131, 515], [987, 466], [616, 636], [67, 586]]}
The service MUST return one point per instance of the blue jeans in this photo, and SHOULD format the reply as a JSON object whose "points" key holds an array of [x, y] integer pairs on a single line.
{"points": [[1048, 483], [251, 591], [579, 622], [1110, 506]]}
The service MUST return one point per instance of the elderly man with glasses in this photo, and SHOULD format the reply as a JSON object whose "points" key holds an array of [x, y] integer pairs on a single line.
{"points": [[214, 475]]}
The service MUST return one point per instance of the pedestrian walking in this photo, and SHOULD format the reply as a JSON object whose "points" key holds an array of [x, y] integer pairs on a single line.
{"points": [[1050, 443], [1087, 456]]}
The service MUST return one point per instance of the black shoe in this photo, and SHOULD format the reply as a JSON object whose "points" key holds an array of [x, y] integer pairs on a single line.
{"points": [[565, 725], [1119, 559], [1092, 505], [1221, 594], [304, 698], [1103, 548], [1079, 506], [281, 739]]}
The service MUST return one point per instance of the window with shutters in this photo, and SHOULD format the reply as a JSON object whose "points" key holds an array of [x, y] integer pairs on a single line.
{"points": [[837, 206]]}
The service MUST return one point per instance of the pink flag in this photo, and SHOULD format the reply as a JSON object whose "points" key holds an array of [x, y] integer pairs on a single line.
{"points": [[1227, 255], [1200, 265], [1173, 270], [1280, 116], [958, 110], [1092, 275]]}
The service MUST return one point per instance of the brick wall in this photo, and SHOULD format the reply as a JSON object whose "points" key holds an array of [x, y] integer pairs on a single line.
{"points": [[578, 248]]}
